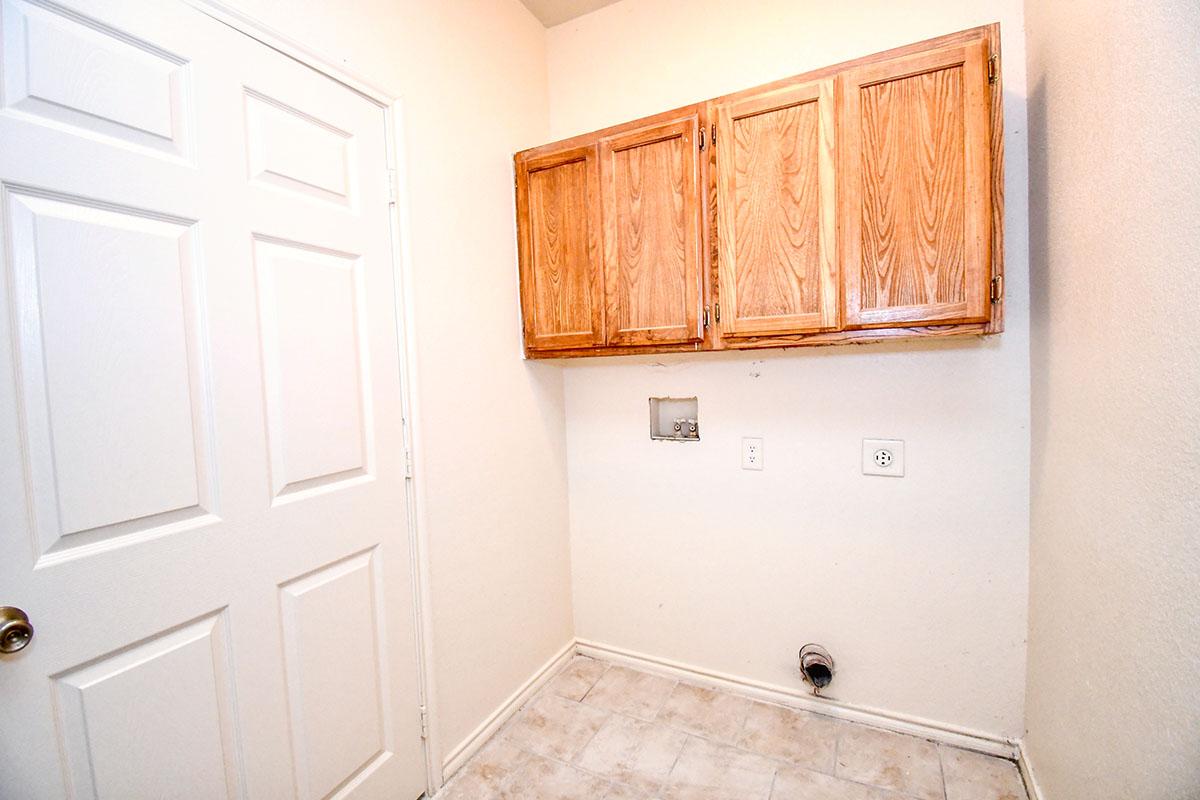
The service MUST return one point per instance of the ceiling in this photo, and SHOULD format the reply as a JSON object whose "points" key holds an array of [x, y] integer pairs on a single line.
{"points": [[552, 12]]}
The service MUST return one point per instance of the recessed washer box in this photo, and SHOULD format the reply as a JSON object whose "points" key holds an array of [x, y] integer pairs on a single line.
{"points": [[675, 419]]}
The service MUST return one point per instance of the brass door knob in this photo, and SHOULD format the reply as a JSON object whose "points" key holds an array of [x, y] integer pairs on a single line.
{"points": [[15, 630]]}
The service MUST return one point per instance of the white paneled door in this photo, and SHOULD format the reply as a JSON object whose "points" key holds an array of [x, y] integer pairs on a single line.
{"points": [[202, 505]]}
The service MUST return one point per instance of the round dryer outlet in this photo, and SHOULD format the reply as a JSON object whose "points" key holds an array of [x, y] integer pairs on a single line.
{"points": [[883, 457]]}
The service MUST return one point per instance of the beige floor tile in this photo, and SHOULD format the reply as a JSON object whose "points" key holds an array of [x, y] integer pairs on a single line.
{"points": [[633, 752], [630, 692], [578, 678], [541, 779], [705, 712], [804, 784], [555, 727], [708, 771], [805, 739], [890, 760], [620, 791], [974, 776], [560, 749], [481, 777]]}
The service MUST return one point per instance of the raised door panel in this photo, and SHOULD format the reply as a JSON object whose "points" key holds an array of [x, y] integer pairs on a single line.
{"points": [[114, 384], [297, 152], [777, 211], [315, 362], [558, 213], [916, 195], [65, 71], [154, 719], [650, 184], [336, 666]]}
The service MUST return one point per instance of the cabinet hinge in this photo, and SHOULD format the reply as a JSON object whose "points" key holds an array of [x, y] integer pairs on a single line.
{"points": [[713, 138], [993, 66], [702, 138], [424, 722], [705, 317], [391, 182], [997, 288], [408, 463], [717, 311]]}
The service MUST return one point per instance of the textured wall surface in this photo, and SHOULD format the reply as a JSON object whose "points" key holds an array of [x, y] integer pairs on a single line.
{"points": [[1114, 648], [917, 585], [473, 77]]}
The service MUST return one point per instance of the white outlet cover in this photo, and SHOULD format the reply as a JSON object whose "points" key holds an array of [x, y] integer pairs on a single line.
{"points": [[883, 457], [752, 453]]}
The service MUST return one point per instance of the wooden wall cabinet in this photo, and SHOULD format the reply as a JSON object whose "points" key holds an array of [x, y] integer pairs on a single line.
{"points": [[855, 203]]}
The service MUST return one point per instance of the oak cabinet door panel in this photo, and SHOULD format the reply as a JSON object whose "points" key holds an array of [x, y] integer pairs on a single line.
{"points": [[916, 191], [650, 184], [777, 211], [558, 220]]}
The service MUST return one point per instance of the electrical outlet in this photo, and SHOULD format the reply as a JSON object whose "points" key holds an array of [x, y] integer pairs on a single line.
{"points": [[752, 453], [883, 457]]}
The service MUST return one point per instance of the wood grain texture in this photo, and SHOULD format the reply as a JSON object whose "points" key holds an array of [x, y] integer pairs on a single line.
{"points": [[916, 191], [652, 234], [776, 217], [912, 174], [776, 211], [558, 221], [984, 163], [560, 272], [967, 332]]}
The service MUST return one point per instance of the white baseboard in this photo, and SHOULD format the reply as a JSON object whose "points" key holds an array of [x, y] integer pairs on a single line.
{"points": [[1032, 788], [462, 752], [928, 729]]}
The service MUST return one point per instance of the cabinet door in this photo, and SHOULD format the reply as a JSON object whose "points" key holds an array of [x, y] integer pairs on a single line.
{"points": [[558, 202], [650, 182], [777, 211], [916, 192]]}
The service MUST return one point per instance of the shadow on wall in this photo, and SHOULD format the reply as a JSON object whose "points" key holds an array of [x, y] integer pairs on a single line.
{"points": [[1039, 273]]}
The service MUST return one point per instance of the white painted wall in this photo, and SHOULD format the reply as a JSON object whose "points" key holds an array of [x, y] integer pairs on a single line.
{"points": [[473, 77], [1113, 704], [917, 585]]}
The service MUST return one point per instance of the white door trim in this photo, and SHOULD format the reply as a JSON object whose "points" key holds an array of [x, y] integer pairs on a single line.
{"points": [[393, 108]]}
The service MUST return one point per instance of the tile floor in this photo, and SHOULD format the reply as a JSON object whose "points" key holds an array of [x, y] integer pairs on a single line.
{"points": [[607, 732]]}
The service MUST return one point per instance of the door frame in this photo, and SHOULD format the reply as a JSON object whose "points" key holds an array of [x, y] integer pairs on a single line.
{"points": [[399, 217]]}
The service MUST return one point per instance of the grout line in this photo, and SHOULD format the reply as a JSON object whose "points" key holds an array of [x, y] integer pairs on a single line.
{"points": [[941, 770], [591, 738], [666, 699], [741, 731], [608, 778], [599, 677], [837, 747], [973, 740], [675, 763], [506, 779], [776, 762]]}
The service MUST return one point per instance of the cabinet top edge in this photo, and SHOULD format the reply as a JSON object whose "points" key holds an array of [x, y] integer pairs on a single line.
{"points": [[990, 32]]}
